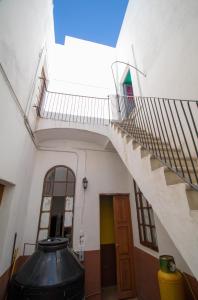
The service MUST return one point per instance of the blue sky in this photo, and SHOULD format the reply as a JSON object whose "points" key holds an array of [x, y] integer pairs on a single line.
{"points": [[98, 21]]}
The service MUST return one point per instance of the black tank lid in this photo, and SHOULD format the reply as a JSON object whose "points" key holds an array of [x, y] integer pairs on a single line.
{"points": [[52, 244]]}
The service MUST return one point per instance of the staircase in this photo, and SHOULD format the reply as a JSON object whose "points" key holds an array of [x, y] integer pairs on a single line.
{"points": [[178, 167], [158, 144], [157, 140]]}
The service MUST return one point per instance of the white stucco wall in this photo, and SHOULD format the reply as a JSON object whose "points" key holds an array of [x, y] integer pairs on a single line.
{"points": [[16, 162], [81, 67], [163, 35], [105, 173], [169, 202], [160, 39], [165, 244], [25, 28]]}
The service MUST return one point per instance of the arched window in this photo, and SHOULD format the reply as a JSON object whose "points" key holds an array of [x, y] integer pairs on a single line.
{"points": [[57, 206]]}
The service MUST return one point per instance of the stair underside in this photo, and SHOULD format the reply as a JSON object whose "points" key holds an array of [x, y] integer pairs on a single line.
{"points": [[177, 167], [174, 201]]}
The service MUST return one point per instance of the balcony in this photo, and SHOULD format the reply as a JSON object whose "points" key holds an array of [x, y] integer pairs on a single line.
{"points": [[166, 128], [74, 108]]}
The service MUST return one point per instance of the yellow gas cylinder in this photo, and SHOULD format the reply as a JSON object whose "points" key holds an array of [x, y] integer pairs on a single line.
{"points": [[170, 280]]}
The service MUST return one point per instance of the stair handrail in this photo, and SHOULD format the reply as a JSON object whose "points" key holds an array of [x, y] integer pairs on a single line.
{"points": [[168, 129]]}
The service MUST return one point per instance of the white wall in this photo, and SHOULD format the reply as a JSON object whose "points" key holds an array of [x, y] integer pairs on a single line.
{"points": [[164, 38], [25, 28], [160, 38], [81, 67], [16, 162], [105, 173], [165, 244], [170, 202]]}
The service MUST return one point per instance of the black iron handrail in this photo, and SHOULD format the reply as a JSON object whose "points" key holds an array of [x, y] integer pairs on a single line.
{"points": [[168, 129], [73, 108]]}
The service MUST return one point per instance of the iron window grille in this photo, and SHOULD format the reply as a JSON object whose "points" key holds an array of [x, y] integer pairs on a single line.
{"points": [[146, 222]]}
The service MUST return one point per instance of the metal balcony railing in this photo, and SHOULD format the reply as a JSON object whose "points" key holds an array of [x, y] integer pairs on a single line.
{"points": [[73, 108], [167, 128]]}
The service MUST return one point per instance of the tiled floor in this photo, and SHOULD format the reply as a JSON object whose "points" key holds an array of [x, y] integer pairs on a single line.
{"points": [[110, 293]]}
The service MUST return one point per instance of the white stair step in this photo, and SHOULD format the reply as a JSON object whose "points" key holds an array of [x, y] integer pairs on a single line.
{"points": [[173, 178], [192, 196], [176, 158]]}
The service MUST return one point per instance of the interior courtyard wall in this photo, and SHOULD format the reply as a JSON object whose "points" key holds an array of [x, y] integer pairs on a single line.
{"points": [[105, 173], [22, 41], [24, 32], [16, 162], [81, 67], [165, 244], [166, 76], [159, 38]]}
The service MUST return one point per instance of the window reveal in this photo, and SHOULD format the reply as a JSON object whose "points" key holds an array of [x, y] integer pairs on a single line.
{"points": [[129, 102]]}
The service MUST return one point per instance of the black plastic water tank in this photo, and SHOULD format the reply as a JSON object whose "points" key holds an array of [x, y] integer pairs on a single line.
{"points": [[51, 273]]}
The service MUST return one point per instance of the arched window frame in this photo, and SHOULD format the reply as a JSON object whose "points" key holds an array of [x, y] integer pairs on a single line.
{"points": [[50, 195]]}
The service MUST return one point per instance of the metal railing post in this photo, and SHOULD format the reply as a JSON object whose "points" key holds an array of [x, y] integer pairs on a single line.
{"points": [[167, 128], [109, 110]]}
